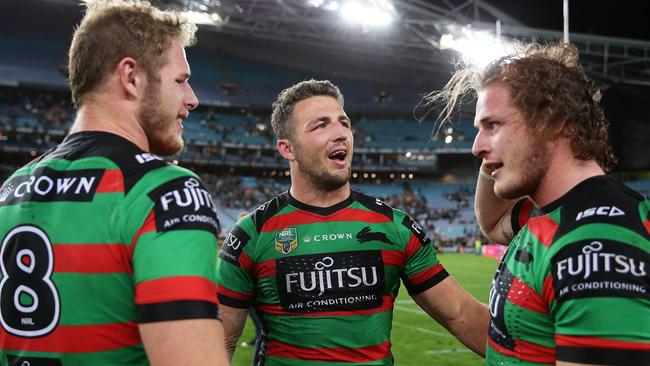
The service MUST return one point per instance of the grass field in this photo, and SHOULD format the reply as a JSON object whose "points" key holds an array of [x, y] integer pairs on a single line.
{"points": [[417, 339]]}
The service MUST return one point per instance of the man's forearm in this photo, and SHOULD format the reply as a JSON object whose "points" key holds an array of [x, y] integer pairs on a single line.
{"points": [[492, 212]]}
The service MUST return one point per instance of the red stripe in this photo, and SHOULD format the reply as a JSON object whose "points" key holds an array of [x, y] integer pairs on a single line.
{"points": [[91, 258], [524, 212], [175, 288], [246, 296], [246, 262], [647, 224], [426, 274], [76, 339], [548, 292], [522, 295], [300, 217], [365, 354], [393, 258], [112, 181], [544, 228], [412, 246], [387, 305], [527, 351], [265, 269], [148, 226], [593, 342]]}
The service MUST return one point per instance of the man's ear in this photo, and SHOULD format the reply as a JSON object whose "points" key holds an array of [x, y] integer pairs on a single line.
{"points": [[132, 78], [286, 149]]}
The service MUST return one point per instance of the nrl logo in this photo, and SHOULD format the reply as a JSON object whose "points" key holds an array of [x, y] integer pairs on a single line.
{"points": [[286, 240]]}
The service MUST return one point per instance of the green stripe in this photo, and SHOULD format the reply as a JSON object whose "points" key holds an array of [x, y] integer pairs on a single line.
{"points": [[330, 331], [602, 231], [197, 248], [521, 321], [615, 316], [88, 299]]}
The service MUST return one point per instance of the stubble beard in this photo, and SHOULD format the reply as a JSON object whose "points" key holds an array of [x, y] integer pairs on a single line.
{"points": [[531, 170], [318, 175], [158, 127]]}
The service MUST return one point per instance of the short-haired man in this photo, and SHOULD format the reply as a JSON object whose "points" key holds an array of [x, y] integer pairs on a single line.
{"points": [[108, 252], [573, 287], [322, 263]]}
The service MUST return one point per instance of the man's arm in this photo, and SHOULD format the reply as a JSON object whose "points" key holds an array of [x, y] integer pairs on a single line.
{"points": [[455, 309], [234, 320], [184, 342], [493, 213]]}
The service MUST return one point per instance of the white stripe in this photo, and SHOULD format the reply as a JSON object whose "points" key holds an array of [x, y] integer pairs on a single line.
{"points": [[447, 350], [422, 330], [417, 311]]}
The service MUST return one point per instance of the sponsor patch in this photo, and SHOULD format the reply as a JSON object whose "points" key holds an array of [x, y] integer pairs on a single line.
{"points": [[184, 204], [331, 282], [233, 245], [48, 185], [286, 240], [600, 268]]}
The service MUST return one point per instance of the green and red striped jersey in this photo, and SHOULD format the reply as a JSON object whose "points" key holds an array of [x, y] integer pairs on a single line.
{"points": [[574, 284], [324, 280], [98, 236]]}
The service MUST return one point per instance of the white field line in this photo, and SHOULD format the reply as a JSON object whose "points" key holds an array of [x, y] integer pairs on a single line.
{"points": [[422, 330], [447, 350]]}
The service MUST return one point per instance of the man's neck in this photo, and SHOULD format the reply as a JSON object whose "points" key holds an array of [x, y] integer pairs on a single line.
{"points": [[564, 172], [113, 119], [311, 195]]}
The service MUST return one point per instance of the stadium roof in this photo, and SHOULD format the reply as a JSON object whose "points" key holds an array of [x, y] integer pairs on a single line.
{"points": [[614, 37]]}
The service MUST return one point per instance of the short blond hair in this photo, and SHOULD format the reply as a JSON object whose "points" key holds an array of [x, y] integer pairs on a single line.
{"points": [[114, 29]]}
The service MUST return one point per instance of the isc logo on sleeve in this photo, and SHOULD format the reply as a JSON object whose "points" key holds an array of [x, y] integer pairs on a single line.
{"points": [[600, 211]]}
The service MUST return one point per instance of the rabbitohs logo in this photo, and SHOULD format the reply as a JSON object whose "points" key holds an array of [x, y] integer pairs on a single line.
{"points": [[286, 240]]}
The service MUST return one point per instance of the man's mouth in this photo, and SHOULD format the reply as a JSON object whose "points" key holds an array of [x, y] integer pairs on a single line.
{"points": [[493, 167], [339, 155]]}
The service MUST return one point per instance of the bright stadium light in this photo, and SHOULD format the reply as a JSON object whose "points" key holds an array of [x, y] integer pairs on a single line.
{"points": [[331, 6], [477, 47], [199, 17], [368, 12]]}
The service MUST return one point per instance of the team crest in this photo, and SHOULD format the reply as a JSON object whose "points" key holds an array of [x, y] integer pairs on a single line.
{"points": [[286, 240]]}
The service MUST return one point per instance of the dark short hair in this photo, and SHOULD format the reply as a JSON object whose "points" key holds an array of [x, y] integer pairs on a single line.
{"points": [[283, 105]]}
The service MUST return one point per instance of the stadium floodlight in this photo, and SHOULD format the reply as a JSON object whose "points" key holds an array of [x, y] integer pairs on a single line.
{"points": [[203, 18], [368, 12], [315, 3], [477, 48], [331, 6]]}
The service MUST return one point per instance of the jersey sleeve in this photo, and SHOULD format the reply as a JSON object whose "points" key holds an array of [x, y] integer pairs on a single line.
{"points": [[170, 220], [235, 277], [422, 269], [601, 288]]}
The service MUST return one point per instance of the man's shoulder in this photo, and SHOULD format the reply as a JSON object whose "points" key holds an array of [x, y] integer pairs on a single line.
{"points": [[604, 202], [375, 204], [267, 210]]}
